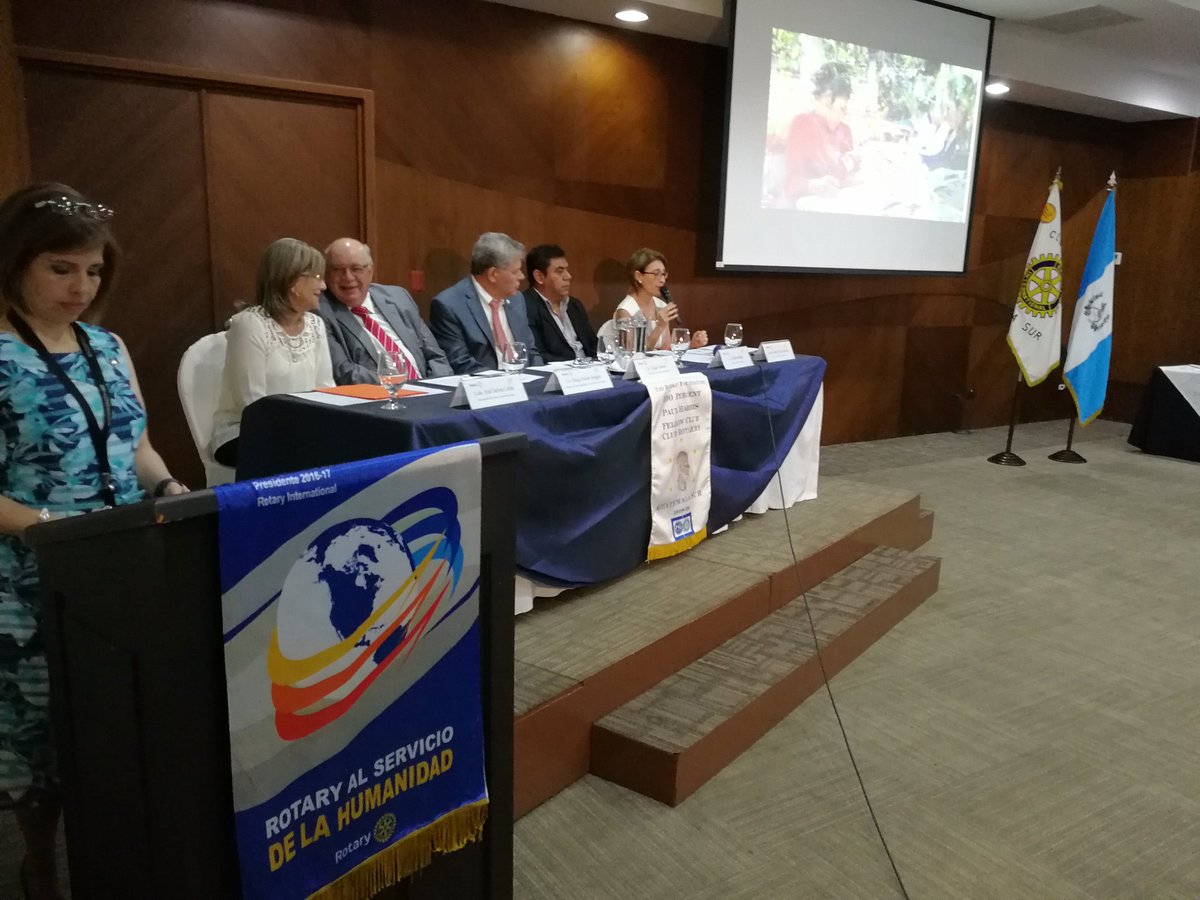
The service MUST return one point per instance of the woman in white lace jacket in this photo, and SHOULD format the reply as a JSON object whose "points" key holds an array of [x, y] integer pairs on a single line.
{"points": [[277, 346]]}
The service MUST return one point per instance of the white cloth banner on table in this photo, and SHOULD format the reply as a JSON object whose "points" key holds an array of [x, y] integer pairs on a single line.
{"points": [[1187, 381], [680, 470]]}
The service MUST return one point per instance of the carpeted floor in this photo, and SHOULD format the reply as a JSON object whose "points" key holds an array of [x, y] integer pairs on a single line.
{"points": [[1032, 731]]}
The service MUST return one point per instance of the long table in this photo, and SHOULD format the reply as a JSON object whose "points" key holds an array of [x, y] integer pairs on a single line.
{"points": [[583, 500]]}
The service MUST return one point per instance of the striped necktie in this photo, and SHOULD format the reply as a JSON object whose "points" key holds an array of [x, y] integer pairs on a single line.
{"points": [[390, 347]]}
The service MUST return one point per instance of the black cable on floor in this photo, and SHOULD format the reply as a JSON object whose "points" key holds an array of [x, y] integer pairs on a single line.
{"points": [[812, 628]]}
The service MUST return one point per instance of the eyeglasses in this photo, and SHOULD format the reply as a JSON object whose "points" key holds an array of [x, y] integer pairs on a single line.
{"points": [[662, 274], [353, 270], [65, 206]]}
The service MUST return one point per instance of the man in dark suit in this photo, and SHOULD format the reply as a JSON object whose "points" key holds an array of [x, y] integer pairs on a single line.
{"points": [[475, 319], [362, 319], [556, 319]]}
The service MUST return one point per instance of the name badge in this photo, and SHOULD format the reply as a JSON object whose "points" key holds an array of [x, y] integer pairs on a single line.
{"points": [[482, 393], [651, 368], [775, 351], [579, 380], [731, 358]]}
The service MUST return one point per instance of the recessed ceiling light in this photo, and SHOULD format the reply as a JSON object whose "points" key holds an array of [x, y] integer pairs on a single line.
{"points": [[996, 88], [632, 15]]}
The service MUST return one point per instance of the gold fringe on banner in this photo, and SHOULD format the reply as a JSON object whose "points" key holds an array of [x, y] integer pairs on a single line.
{"points": [[664, 550], [451, 832]]}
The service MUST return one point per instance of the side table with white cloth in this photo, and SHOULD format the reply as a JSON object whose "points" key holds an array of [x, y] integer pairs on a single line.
{"points": [[1168, 420]]}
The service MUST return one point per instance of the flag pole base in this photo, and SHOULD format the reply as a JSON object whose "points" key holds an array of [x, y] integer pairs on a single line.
{"points": [[1067, 456], [1006, 458]]}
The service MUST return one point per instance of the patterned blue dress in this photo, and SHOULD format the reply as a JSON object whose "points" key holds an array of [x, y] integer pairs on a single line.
{"points": [[47, 460]]}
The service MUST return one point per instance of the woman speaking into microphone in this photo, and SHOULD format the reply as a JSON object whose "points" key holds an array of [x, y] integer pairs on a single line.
{"points": [[647, 272]]}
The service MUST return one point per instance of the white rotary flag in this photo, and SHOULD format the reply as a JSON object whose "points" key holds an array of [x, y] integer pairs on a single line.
{"points": [[1035, 334]]}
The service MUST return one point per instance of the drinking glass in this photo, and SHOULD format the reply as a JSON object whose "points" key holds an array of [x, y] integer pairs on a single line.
{"points": [[606, 350], [733, 335], [580, 359], [516, 357], [681, 339], [392, 377]]}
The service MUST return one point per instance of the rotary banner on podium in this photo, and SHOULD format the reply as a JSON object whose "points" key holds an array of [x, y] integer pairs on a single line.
{"points": [[350, 603]]}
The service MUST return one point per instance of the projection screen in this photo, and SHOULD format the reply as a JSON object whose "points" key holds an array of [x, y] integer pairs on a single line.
{"points": [[852, 137]]}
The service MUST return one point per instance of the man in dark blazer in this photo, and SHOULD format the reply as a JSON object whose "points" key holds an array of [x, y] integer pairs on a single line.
{"points": [[362, 317], [480, 315], [555, 317]]}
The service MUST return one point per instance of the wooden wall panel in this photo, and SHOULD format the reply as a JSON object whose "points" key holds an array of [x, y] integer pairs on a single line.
{"points": [[276, 168], [324, 41], [436, 220], [933, 394], [862, 389], [1162, 148], [14, 161], [137, 147], [1156, 317]]}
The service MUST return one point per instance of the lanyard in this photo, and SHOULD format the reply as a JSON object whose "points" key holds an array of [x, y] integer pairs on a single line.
{"points": [[99, 435]]}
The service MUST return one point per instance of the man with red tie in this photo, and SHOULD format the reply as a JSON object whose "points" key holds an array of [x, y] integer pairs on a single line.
{"points": [[364, 319]]}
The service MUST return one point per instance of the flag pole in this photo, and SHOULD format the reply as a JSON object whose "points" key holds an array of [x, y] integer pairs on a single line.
{"points": [[1068, 455], [1034, 332], [1006, 457]]}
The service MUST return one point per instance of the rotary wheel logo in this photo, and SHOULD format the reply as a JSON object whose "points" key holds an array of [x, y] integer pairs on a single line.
{"points": [[1041, 290], [1048, 213], [385, 828]]}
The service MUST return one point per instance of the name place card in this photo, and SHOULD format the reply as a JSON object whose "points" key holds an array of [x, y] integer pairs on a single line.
{"points": [[651, 368], [731, 358], [775, 351], [579, 380], [482, 393]]}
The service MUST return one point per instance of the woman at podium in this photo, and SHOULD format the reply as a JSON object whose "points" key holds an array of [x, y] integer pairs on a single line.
{"points": [[73, 428]]}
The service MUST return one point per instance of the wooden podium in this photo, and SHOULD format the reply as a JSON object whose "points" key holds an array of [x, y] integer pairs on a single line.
{"points": [[132, 612]]}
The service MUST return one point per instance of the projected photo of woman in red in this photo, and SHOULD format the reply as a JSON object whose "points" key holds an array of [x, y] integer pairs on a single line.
{"points": [[820, 148], [862, 131]]}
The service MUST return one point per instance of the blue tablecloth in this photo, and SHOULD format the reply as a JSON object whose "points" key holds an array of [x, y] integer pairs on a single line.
{"points": [[584, 510]]}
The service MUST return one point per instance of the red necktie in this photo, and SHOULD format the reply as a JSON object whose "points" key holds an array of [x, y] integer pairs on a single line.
{"points": [[498, 329], [390, 347]]}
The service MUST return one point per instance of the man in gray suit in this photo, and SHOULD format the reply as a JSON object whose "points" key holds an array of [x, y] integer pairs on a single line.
{"points": [[475, 319], [362, 319]]}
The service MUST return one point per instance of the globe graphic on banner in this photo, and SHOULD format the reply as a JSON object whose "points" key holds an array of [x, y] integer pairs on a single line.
{"points": [[345, 575]]}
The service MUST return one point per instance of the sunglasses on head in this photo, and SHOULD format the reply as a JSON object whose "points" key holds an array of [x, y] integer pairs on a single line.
{"points": [[65, 206]]}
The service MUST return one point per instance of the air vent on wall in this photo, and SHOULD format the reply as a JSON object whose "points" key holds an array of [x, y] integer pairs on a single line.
{"points": [[1085, 19]]}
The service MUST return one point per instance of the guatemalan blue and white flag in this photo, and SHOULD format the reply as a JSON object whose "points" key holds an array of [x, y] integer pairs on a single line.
{"points": [[1086, 371], [350, 606], [1035, 334]]}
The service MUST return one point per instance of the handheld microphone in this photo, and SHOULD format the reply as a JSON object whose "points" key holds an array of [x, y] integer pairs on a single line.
{"points": [[666, 295]]}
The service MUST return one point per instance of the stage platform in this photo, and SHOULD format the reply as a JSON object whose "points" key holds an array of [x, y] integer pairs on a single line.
{"points": [[658, 680]]}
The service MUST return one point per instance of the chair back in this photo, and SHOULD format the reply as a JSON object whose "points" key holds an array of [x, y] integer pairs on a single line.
{"points": [[199, 383]]}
